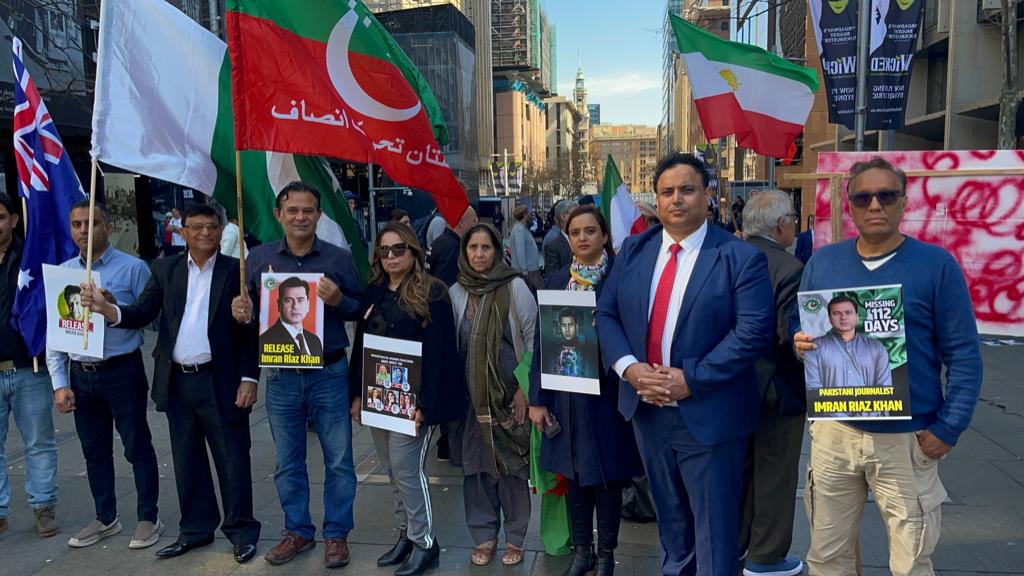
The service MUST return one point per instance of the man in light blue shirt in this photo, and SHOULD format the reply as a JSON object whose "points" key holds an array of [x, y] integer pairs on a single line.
{"points": [[109, 392]]}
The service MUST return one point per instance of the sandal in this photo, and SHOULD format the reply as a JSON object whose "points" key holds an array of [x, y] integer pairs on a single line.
{"points": [[483, 553], [513, 555]]}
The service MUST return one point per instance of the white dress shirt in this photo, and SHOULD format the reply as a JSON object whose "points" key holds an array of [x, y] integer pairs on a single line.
{"points": [[193, 343], [231, 241], [685, 261]]}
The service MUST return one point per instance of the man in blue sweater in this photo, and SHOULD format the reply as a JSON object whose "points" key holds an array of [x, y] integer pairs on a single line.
{"points": [[896, 459]]}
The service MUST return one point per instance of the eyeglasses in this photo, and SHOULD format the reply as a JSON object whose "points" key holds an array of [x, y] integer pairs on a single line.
{"points": [[397, 249], [199, 227], [885, 198]]}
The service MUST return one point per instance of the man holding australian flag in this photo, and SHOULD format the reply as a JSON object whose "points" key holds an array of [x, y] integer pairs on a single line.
{"points": [[896, 458]]}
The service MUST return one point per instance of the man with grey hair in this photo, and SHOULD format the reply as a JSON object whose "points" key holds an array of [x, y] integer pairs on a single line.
{"points": [[557, 252], [773, 453]]}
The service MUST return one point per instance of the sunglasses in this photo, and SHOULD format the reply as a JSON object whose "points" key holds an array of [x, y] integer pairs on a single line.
{"points": [[397, 249], [199, 227], [885, 198]]}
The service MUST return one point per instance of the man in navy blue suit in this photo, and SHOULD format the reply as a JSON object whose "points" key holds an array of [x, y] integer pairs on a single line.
{"points": [[685, 312], [805, 242]]}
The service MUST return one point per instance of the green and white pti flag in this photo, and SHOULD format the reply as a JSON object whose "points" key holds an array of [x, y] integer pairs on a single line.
{"points": [[163, 109], [744, 90]]}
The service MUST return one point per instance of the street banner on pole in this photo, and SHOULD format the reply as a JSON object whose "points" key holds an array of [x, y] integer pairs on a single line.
{"points": [[325, 77], [894, 28]]}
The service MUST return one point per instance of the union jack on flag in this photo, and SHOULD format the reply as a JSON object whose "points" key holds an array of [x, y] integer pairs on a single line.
{"points": [[50, 187]]}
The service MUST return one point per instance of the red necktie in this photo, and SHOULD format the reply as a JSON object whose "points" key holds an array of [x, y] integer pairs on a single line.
{"points": [[659, 312], [302, 344]]}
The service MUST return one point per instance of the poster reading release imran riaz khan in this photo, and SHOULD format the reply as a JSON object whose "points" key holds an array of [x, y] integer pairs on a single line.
{"points": [[858, 369]]}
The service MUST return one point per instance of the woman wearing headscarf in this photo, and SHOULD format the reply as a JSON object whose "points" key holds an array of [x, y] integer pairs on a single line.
{"points": [[595, 450], [402, 301], [495, 316]]}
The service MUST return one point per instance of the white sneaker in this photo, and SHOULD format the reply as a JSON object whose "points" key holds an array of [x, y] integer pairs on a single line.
{"points": [[94, 532], [146, 534]]}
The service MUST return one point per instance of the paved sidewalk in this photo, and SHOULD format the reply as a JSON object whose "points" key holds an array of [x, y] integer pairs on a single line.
{"points": [[982, 530]]}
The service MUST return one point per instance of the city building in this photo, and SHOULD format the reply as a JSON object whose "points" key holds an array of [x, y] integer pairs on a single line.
{"points": [[594, 111], [523, 66], [634, 149], [565, 155], [440, 40], [583, 140], [479, 14]]}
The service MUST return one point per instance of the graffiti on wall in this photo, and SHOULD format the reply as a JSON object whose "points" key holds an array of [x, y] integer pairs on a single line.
{"points": [[978, 219]]}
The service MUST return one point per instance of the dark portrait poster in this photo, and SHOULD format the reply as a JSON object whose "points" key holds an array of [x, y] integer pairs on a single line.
{"points": [[858, 369], [391, 383], [291, 321], [568, 342]]}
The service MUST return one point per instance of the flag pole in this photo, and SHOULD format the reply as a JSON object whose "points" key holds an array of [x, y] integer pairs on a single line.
{"points": [[241, 222], [24, 223], [88, 250]]}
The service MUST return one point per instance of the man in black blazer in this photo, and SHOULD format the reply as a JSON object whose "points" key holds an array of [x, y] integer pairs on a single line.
{"points": [[773, 455], [292, 307], [205, 378], [557, 252]]}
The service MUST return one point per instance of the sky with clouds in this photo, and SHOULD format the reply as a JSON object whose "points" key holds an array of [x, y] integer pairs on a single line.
{"points": [[621, 51]]}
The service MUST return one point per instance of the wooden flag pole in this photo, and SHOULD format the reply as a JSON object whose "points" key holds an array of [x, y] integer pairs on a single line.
{"points": [[88, 250], [24, 223], [241, 221]]}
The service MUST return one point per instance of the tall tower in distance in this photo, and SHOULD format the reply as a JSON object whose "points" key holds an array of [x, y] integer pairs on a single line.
{"points": [[583, 131]]}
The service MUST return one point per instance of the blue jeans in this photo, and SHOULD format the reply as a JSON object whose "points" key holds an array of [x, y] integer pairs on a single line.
{"points": [[29, 396], [322, 397]]}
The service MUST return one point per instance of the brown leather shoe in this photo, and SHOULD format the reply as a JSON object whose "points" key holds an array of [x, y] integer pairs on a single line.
{"points": [[335, 552], [289, 546]]}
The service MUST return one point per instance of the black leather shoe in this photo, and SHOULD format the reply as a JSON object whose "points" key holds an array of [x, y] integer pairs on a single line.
{"points": [[398, 553], [244, 553], [179, 547], [421, 560], [605, 563], [582, 561]]}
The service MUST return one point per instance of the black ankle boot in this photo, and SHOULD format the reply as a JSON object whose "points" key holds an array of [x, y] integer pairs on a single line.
{"points": [[605, 563], [398, 553], [582, 561], [421, 560]]}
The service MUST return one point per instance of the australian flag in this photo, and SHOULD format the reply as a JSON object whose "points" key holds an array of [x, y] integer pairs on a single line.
{"points": [[50, 187]]}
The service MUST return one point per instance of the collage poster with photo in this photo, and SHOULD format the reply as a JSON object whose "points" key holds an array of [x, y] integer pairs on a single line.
{"points": [[65, 315], [858, 370], [291, 321], [391, 383], [568, 342]]}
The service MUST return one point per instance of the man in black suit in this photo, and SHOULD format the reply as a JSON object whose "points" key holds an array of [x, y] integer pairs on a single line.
{"points": [[443, 260], [292, 308], [557, 252], [773, 455], [205, 378], [805, 241]]}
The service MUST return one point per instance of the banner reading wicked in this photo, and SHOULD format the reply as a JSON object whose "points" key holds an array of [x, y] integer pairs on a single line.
{"points": [[893, 36]]}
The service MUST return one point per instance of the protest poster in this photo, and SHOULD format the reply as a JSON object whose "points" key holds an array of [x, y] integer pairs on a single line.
{"points": [[65, 315], [858, 370], [391, 383], [291, 321], [568, 341]]}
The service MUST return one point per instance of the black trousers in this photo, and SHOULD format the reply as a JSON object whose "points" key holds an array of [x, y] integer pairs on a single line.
{"points": [[771, 472], [195, 423], [114, 396], [607, 501]]}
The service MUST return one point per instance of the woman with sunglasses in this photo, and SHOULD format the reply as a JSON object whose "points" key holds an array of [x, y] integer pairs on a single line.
{"points": [[495, 315], [595, 449], [402, 301]]}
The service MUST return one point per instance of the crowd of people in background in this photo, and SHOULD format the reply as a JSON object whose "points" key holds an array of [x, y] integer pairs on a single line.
{"points": [[701, 380]]}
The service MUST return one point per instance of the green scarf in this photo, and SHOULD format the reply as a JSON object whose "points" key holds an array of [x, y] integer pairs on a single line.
{"points": [[507, 442]]}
